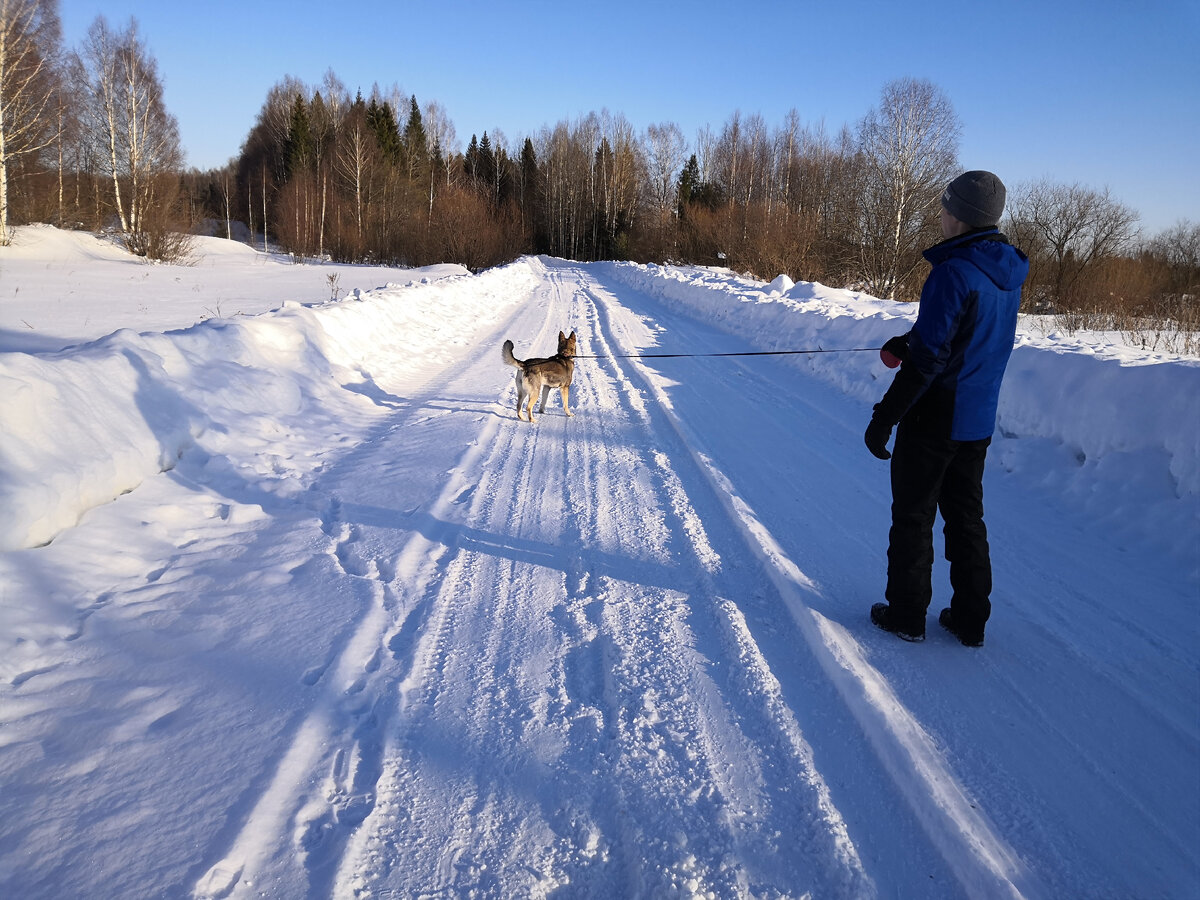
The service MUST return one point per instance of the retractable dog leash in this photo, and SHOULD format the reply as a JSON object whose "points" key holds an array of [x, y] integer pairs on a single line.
{"points": [[742, 353]]}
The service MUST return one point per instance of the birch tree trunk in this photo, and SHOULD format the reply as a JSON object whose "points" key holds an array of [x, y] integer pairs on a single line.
{"points": [[29, 38]]}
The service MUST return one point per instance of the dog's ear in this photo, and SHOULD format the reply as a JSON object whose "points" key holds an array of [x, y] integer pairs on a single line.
{"points": [[561, 336], [572, 336]]}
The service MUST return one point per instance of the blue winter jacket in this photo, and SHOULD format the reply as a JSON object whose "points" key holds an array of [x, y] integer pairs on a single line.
{"points": [[949, 384]]}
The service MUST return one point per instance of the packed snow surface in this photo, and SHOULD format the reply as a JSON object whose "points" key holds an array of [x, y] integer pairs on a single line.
{"points": [[291, 605]]}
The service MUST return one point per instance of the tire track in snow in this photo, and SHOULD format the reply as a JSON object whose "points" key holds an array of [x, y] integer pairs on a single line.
{"points": [[465, 694], [425, 580], [980, 859], [561, 730], [761, 737]]}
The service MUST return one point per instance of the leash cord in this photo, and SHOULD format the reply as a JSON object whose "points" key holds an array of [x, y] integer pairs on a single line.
{"points": [[743, 353]]}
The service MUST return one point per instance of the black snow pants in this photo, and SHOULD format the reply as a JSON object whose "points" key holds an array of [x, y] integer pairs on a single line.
{"points": [[931, 474]]}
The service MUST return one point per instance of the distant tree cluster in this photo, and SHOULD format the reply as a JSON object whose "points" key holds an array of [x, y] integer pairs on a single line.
{"points": [[86, 141]]}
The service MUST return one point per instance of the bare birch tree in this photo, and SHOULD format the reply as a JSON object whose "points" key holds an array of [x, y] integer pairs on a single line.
{"points": [[99, 68], [569, 185], [909, 151], [30, 35], [706, 143], [787, 156], [442, 137], [354, 160], [619, 171], [666, 154], [143, 155]]}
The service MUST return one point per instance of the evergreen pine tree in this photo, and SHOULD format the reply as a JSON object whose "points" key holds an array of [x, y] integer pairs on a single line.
{"points": [[416, 148], [438, 163], [471, 160], [382, 122], [689, 183], [531, 195], [486, 168], [529, 175], [298, 149]]}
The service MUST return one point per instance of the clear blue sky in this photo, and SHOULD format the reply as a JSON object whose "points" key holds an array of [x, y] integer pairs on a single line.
{"points": [[1104, 93]]}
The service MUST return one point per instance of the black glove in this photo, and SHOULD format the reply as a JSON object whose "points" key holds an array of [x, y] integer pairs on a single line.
{"points": [[897, 346], [879, 431]]}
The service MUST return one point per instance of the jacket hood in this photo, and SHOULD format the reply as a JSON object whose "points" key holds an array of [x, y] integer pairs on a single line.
{"points": [[990, 252]]}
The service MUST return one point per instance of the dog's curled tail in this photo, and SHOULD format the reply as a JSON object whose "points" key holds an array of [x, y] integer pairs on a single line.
{"points": [[507, 352]]}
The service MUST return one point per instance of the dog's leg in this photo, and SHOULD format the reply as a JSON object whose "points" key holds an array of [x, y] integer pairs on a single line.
{"points": [[532, 386], [545, 397], [520, 382], [566, 407]]}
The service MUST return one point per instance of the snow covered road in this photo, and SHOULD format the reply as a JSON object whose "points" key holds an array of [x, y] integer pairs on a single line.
{"points": [[562, 701], [430, 651]]}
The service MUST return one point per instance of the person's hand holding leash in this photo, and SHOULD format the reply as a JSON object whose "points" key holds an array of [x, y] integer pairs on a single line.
{"points": [[895, 351]]}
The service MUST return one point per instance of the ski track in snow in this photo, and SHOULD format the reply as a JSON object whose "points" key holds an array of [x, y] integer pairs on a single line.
{"points": [[609, 655]]}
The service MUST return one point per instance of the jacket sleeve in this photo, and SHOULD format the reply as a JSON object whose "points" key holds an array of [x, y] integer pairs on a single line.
{"points": [[929, 342], [908, 385]]}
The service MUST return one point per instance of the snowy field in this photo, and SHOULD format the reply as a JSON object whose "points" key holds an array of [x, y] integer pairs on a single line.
{"points": [[291, 605]]}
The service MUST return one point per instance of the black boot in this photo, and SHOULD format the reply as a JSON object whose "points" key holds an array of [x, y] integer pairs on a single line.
{"points": [[882, 616], [968, 637]]}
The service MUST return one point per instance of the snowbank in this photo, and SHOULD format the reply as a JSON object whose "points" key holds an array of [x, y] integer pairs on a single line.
{"points": [[83, 425]]}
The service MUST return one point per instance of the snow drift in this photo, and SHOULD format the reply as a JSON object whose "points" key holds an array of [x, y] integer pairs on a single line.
{"points": [[83, 425]]}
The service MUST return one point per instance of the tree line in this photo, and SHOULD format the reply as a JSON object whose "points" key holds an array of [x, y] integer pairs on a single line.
{"points": [[87, 142]]}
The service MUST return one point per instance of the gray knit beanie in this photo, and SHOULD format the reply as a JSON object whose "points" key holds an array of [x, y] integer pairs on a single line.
{"points": [[976, 198]]}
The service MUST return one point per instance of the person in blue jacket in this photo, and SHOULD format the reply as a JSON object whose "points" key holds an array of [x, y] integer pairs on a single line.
{"points": [[944, 400]]}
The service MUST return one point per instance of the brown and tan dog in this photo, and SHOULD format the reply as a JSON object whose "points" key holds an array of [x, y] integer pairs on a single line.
{"points": [[536, 376]]}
